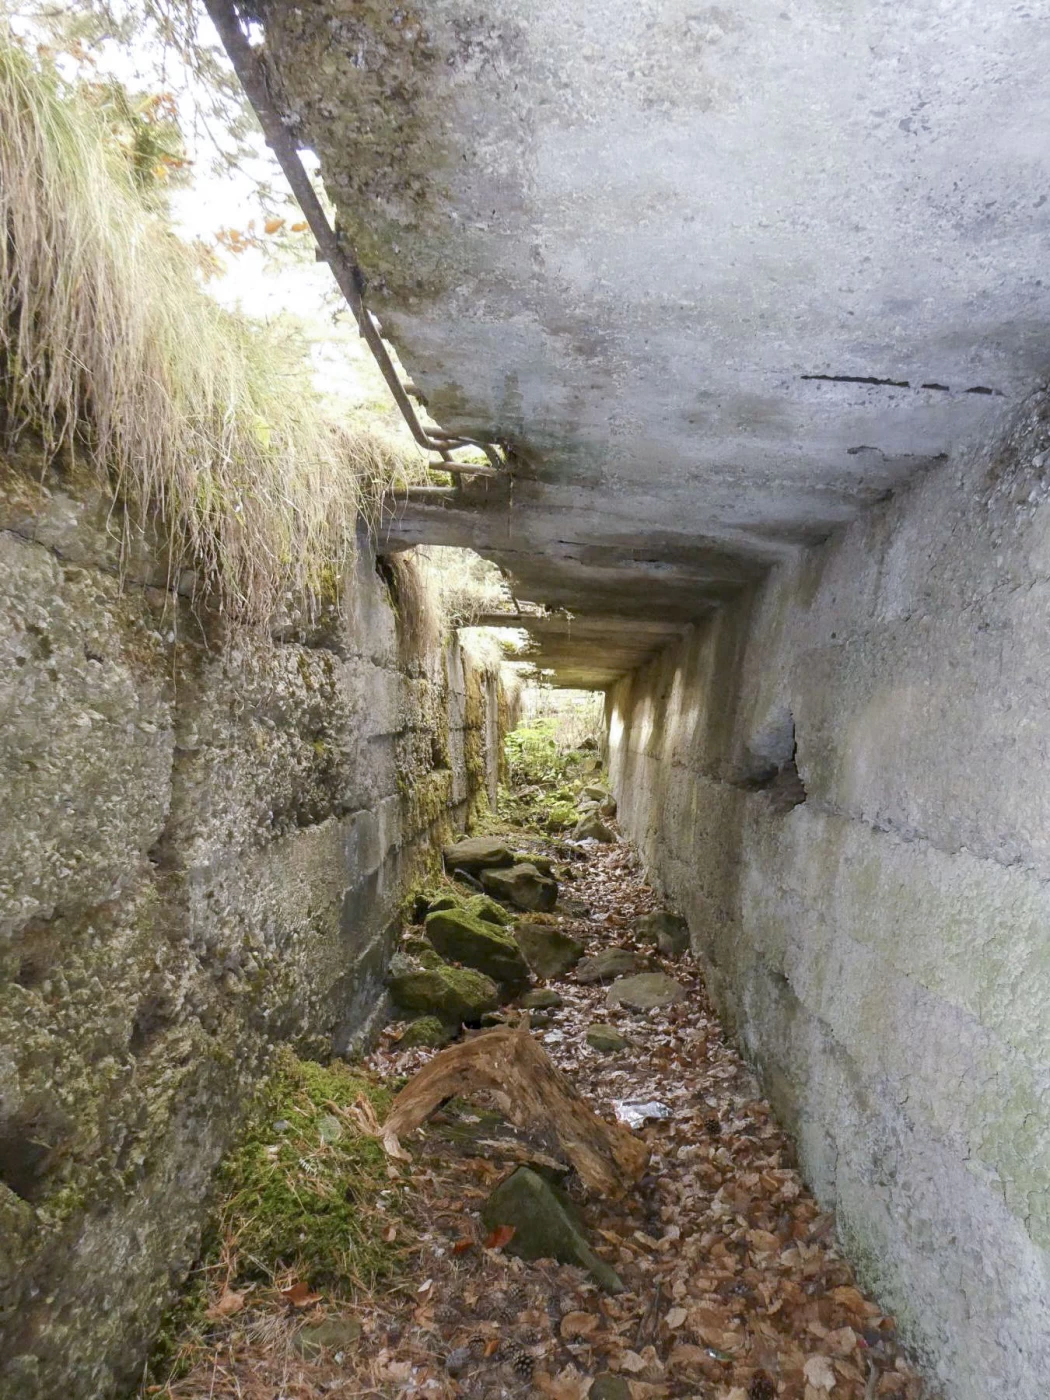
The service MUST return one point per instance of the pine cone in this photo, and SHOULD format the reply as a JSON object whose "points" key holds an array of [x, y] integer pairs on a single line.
{"points": [[517, 1297], [522, 1364], [762, 1387]]}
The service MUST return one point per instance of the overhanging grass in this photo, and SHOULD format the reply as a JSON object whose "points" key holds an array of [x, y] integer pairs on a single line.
{"points": [[196, 417]]}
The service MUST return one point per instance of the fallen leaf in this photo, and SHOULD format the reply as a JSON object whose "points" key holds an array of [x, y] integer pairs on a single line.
{"points": [[687, 1355], [492, 1346], [578, 1324], [461, 1246], [566, 1385], [425, 1286], [676, 1317], [851, 1298], [763, 1240], [631, 1361], [390, 1234], [227, 1303], [500, 1236], [842, 1341], [819, 1372], [299, 1295]]}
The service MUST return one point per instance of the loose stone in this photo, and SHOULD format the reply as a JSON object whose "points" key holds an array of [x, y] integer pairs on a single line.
{"points": [[645, 992], [605, 1038]]}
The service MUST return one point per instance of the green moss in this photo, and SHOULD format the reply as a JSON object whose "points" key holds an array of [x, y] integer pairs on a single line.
{"points": [[303, 667], [293, 1201]]}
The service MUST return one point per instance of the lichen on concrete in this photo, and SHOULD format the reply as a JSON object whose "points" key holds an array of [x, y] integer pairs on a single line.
{"points": [[208, 834]]}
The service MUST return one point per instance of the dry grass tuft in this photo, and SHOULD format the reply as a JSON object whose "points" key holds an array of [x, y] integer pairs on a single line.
{"points": [[465, 584], [196, 417]]}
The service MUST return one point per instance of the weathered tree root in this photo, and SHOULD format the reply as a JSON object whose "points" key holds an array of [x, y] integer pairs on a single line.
{"points": [[512, 1068]]}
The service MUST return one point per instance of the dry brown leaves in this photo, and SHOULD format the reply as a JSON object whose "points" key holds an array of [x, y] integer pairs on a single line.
{"points": [[737, 1290]]}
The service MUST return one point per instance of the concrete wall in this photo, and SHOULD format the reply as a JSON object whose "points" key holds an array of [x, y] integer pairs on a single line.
{"points": [[204, 842], [882, 949]]}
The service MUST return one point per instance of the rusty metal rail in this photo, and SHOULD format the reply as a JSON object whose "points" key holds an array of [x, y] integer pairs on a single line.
{"points": [[345, 269]]}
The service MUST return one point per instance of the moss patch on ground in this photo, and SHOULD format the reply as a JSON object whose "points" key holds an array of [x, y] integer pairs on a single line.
{"points": [[299, 1192]]}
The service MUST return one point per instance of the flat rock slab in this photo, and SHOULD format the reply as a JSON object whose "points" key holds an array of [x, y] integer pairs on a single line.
{"points": [[462, 938], [523, 886], [645, 992], [605, 1038], [476, 853], [545, 1225], [607, 965], [548, 951]]}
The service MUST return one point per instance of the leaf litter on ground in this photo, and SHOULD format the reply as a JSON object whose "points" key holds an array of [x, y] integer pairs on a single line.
{"points": [[736, 1289]]}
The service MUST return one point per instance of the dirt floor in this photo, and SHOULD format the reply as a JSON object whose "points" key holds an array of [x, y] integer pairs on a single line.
{"points": [[735, 1289]]}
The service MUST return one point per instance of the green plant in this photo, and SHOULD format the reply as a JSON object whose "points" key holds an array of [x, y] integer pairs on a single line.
{"points": [[534, 755]]}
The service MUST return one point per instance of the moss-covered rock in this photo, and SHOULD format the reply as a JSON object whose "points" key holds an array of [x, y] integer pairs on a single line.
{"points": [[428, 1032], [461, 937], [481, 906], [293, 1189], [523, 886], [453, 994], [548, 951], [546, 1225]]}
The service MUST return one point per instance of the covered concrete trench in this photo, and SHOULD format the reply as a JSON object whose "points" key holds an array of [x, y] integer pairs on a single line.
{"points": [[757, 299]]}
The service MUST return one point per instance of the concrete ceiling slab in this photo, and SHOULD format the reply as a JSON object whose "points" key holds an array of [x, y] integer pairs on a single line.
{"points": [[722, 274]]}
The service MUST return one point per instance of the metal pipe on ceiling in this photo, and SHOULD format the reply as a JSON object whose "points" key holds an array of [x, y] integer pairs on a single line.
{"points": [[332, 248]]}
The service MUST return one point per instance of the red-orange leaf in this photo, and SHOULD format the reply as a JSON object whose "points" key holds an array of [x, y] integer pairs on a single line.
{"points": [[461, 1246], [299, 1295], [501, 1236]]}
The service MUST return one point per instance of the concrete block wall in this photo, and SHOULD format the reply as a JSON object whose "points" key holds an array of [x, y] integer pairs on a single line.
{"points": [[882, 949], [205, 839]]}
